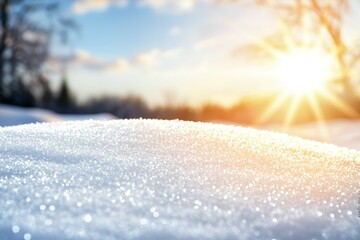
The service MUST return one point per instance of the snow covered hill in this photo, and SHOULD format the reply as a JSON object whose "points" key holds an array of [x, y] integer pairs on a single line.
{"points": [[12, 115], [147, 179], [341, 132]]}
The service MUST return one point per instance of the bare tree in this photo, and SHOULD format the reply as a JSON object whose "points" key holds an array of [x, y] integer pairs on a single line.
{"points": [[25, 41], [4, 16]]}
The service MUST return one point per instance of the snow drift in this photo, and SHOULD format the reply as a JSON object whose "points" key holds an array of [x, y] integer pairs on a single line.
{"points": [[341, 132], [148, 179], [12, 115]]}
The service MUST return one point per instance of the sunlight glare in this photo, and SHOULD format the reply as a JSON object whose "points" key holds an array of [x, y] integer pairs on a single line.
{"points": [[303, 71]]}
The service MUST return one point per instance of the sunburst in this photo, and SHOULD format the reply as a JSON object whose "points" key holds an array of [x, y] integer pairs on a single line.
{"points": [[302, 71], [304, 75]]}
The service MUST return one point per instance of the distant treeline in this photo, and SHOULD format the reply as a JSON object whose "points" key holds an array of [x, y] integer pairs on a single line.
{"points": [[250, 110]]}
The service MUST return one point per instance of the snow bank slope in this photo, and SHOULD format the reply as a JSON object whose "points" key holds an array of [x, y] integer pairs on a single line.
{"points": [[340, 132], [12, 115], [147, 179]]}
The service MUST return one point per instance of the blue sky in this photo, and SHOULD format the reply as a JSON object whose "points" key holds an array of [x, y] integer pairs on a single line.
{"points": [[161, 49]]}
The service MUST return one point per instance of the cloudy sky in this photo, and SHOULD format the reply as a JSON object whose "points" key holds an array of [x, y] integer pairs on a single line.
{"points": [[166, 50]]}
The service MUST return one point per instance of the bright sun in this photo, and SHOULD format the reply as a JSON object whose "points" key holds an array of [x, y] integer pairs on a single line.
{"points": [[303, 71]]}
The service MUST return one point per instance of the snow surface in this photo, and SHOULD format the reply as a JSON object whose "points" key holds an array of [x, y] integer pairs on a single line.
{"points": [[12, 115], [148, 179], [341, 132]]}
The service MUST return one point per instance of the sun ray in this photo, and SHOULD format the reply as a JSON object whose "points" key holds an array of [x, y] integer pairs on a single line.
{"points": [[286, 34], [275, 106], [320, 119], [273, 51], [290, 115], [303, 70], [258, 41], [339, 103]]}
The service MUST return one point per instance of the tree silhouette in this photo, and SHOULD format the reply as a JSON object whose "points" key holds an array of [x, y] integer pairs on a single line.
{"points": [[24, 43], [4, 15], [65, 100], [47, 95]]}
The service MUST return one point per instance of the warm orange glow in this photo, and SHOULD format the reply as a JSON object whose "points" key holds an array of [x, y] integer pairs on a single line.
{"points": [[304, 74], [303, 71]]}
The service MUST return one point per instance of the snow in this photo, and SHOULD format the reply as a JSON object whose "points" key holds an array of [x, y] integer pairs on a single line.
{"points": [[340, 132], [148, 179], [11, 115]]}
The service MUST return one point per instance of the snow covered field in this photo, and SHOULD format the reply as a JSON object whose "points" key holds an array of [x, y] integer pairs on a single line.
{"points": [[147, 179], [11, 115], [341, 132]]}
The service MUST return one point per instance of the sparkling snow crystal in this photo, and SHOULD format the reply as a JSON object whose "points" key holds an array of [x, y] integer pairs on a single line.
{"points": [[147, 179]]}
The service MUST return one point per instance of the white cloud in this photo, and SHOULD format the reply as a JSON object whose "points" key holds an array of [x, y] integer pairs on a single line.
{"points": [[175, 31], [226, 42], [148, 59], [153, 58], [172, 53], [211, 42], [86, 60], [83, 59], [118, 66], [84, 6], [174, 5]]}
